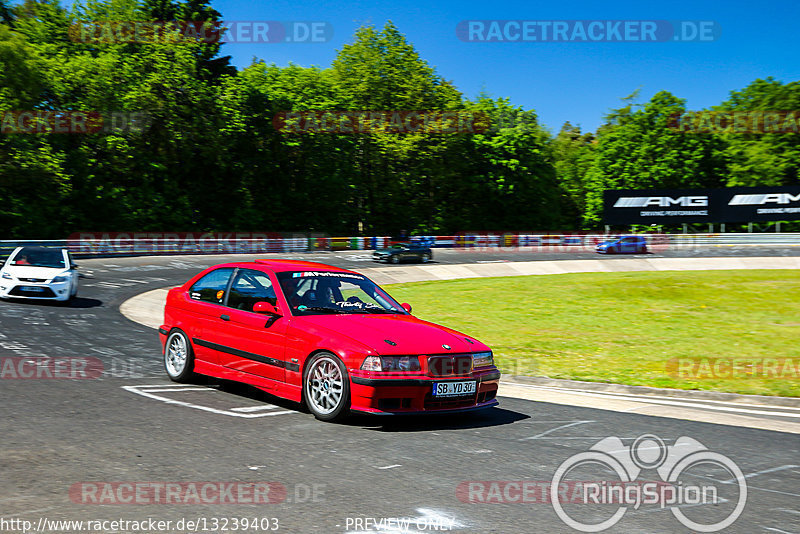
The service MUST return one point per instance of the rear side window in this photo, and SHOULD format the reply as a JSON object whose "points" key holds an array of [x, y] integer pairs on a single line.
{"points": [[250, 287], [211, 288]]}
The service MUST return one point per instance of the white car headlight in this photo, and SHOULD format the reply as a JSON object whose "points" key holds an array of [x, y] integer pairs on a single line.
{"points": [[61, 279], [482, 359]]}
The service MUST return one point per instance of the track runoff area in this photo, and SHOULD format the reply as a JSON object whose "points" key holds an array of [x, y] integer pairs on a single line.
{"points": [[96, 439]]}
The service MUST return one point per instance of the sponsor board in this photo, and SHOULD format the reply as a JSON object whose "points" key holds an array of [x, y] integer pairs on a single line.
{"points": [[730, 204]]}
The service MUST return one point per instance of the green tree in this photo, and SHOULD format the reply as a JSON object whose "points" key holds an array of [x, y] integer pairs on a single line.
{"points": [[641, 149], [573, 158], [763, 158]]}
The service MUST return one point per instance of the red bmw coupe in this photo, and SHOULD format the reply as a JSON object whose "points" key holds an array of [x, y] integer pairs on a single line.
{"points": [[325, 336]]}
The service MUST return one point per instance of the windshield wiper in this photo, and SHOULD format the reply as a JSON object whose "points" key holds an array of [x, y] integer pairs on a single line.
{"points": [[321, 309]]}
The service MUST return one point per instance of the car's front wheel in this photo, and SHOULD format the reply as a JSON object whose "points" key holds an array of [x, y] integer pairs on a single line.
{"points": [[178, 357], [426, 258], [395, 258], [326, 387]]}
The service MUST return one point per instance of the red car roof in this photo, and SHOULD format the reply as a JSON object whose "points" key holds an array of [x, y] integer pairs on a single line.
{"points": [[297, 265]]}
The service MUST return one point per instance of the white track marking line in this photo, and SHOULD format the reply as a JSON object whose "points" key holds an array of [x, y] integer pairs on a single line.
{"points": [[162, 390], [146, 393], [574, 423], [646, 399], [763, 472], [250, 409]]}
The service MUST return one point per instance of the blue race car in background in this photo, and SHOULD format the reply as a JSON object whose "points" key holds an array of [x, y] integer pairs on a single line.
{"points": [[631, 244]]}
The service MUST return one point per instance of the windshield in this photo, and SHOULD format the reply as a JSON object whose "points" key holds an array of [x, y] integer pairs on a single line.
{"points": [[39, 257], [329, 292]]}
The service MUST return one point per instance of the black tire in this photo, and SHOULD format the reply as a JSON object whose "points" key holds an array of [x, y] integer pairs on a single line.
{"points": [[178, 364], [644, 249], [323, 373], [426, 258], [395, 259]]}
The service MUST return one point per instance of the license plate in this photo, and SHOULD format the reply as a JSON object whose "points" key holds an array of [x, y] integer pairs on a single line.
{"points": [[453, 389], [32, 289]]}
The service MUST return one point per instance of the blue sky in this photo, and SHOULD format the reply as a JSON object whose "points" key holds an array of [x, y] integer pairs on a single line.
{"points": [[567, 81]]}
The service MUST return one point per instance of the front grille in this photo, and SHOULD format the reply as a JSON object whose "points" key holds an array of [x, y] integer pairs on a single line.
{"points": [[47, 293], [450, 365], [34, 280]]}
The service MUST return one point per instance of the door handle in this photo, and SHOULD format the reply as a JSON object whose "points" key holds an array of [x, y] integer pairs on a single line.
{"points": [[225, 317]]}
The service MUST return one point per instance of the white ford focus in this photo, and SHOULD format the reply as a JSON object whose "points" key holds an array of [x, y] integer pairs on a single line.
{"points": [[39, 273]]}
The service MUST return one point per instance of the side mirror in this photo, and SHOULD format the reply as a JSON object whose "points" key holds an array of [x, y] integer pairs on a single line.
{"points": [[406, 306], [266, 307]]}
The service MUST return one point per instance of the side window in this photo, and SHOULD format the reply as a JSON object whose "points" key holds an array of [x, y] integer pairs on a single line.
{"points": [[250, 287], [211, 288]]}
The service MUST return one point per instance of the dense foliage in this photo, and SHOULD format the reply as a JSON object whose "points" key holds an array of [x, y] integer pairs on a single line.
{"points": [[207, 155]]}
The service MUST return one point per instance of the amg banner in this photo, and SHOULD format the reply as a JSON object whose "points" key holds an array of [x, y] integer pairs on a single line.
{"points": [[730, 204]]}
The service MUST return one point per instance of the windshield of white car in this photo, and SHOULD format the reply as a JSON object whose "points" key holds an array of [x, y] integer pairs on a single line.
{"points": [[39, 257], [328, 292]]}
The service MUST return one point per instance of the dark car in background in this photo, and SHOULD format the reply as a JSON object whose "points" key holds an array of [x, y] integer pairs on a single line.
{"points": [[402, 252], [631, 244]]}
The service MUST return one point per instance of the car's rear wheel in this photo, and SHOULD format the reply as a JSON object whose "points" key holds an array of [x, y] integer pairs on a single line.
{"points": [[326, 387], [178, 357], [395, 258], [426, 258]]}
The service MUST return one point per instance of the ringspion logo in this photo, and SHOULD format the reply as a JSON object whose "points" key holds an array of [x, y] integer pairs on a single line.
{"points": [[704, 490]]}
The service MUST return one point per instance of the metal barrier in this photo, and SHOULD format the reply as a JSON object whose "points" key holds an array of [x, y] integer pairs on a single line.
{"points": [[125, 245]]}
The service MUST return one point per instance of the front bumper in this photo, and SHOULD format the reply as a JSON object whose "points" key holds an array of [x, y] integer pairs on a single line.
{"points": [[17, 289], [414, 394]]}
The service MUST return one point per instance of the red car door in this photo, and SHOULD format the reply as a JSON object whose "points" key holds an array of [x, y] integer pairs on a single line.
{"points": [[251, 342], [202, 308]]}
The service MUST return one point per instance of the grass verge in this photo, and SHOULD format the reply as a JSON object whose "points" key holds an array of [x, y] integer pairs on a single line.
{"points": [[636, 328]]}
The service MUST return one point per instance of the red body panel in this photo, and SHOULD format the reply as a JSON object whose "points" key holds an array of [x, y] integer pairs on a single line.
{"points": [[270, 353]]}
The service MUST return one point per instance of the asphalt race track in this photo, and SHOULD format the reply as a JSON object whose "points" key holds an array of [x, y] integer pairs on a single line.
{"points": [[63, 439]]}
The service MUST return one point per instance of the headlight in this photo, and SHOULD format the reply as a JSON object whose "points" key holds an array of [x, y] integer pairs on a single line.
{"points": [[390, 363], [482, 359], [7, 276], [60, 279]]}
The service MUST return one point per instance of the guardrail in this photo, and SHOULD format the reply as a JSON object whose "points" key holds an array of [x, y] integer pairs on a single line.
{"points": [[126, 245]]}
